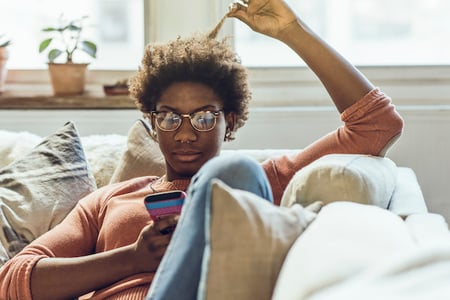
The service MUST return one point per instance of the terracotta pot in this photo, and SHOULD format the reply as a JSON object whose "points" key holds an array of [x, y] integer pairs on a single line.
{"points": [[67, 79], [4, 55]]}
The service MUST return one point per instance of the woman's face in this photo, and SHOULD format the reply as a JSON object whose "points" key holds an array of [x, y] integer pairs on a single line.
{"points": [[186, 149]]}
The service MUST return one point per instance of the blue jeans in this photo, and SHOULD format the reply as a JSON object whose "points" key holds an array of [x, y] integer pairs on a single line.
{"points": [[178, 275]]}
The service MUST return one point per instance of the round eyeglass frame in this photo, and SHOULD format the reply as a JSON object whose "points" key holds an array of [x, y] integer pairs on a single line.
{"points": [[190, 116]]}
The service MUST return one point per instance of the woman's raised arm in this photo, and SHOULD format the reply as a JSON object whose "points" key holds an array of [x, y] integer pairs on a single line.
{"points": [[276, 19]]}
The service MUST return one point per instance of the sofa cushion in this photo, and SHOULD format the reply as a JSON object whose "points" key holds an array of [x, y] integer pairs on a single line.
{"points": [[247, 240], [39, 189], [343, 177], [345, 238], [142, 156]]}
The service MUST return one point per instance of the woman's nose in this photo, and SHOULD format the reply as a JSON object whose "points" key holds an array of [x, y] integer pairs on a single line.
{"points": [[186, 133]]}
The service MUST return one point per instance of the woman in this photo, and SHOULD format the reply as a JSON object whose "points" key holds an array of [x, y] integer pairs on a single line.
{"points": [[195, 93]]}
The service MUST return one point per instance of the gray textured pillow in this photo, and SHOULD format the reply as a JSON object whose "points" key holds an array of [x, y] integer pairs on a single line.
{"points": [[38, 190]]}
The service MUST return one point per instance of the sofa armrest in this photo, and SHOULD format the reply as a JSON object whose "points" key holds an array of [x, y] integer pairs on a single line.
{"points": [[407, 197], [428, 229]]}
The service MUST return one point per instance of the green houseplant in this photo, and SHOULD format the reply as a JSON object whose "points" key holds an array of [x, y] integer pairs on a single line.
{"points": [[65, 41], [4, 56]]}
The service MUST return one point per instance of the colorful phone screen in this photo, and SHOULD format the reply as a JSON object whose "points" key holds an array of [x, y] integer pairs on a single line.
{"points": [[165, 203]]}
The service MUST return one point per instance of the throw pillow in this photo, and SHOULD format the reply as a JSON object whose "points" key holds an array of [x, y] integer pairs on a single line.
{"points": [[343, 177], [142, 156], [103, 152], [38, 190], [15, 145], [247, 241]]}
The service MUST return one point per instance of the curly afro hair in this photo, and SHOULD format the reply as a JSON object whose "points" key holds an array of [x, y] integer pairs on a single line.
{"points": [[198, 58]]}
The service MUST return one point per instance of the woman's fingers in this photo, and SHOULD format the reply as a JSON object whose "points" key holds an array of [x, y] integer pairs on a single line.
{"points": [[237, 9], [166, 224], [315, 206]]}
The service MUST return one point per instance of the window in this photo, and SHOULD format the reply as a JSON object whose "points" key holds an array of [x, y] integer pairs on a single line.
{"points": [[368, 32], [117, 27]]}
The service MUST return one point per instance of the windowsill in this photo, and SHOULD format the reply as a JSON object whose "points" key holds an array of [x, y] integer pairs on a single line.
{"points": [[41, 97], [271, 87]]}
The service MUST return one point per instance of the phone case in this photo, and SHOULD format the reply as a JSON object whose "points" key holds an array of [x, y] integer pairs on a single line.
{"points": [[165, 203]]}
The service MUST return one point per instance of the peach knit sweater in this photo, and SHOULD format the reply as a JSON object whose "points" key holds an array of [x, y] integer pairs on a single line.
{"points": [[113, 216]]}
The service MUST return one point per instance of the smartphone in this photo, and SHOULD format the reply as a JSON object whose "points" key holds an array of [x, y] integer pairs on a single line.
{"points": [[165, 203]]}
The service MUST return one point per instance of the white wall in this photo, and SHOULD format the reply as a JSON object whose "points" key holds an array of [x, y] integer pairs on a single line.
{"points": [[88, 121], [425, 147]]}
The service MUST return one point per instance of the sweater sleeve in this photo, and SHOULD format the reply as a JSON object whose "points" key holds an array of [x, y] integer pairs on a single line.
{"points": [[371, 126], [74, 236]]}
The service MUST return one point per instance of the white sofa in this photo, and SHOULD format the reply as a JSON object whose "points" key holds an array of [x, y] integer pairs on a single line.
{"points": [[351, 249]]}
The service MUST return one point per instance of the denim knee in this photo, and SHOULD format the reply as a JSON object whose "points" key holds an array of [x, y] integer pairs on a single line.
{"points": [[237, 171]]}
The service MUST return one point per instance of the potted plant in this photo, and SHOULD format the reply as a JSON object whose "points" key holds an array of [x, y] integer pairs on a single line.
{"points": [[4, 55], [67, 77]]}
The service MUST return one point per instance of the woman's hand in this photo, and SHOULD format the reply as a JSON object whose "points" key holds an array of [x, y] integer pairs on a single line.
{"points": [[58, 278], [152, 243], [315, 207], [269, 17]]}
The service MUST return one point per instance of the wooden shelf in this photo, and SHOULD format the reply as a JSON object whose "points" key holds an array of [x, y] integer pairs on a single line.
{"points": [[74, 102], [43, 99]]}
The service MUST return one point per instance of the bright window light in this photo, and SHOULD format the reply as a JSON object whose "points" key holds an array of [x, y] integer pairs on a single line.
{"points": [[368, 32], [117, 27]]}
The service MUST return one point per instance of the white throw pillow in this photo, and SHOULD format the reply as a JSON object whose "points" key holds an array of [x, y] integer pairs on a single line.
{"points": [[343, 177], [15, 145], [38, 190], [247, 241], [345, 238], [103, 152]]}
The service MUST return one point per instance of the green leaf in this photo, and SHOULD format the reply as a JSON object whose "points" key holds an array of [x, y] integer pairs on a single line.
{"points": [[5, 44], [89, 47], [50, 29], [73, 27], [53, 54], [3, 41], [44, 44], [62, 29], [69, 33]]}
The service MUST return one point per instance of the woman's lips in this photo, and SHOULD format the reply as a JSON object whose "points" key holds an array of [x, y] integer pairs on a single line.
{"points": [[187, 156]]}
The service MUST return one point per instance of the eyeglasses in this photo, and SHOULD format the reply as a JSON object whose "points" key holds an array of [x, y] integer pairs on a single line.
{"points": [[203, 120]]}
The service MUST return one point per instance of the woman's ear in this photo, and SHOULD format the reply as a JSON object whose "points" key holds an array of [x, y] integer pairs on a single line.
{"points": [[230, 119], [149, 118], [152, 121]]}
